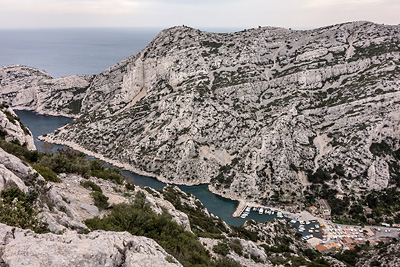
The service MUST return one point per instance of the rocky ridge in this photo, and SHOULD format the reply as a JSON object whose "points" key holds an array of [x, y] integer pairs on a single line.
{"points": [[250, 111]]}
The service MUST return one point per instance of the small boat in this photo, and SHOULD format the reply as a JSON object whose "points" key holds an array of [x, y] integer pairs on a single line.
{"points": [[279, 215], [254, 208], [243, 216], [266, 211], [248, 209], [272, 213], [261, 211], [310, 231]]}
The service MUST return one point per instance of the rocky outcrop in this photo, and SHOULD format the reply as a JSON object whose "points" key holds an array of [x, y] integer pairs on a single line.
{"points": [[13, 130], [99, 248], [13, 172], [250, 111], [27, 88], [386, 256]]}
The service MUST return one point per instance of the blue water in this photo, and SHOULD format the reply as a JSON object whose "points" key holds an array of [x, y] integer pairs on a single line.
{"points": [[219, 206], [41, 124], [89, 51], [63, 52]]}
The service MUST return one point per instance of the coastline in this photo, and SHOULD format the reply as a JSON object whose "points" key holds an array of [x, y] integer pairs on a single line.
{"points": [[114, 162], [47, 113]]}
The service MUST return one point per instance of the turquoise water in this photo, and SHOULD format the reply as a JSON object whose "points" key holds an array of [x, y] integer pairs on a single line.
{"points": [[219, 206]]}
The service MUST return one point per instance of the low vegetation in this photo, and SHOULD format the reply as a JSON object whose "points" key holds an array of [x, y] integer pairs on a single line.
{"points": [[17, 209], [139, 219], [64, 161]]}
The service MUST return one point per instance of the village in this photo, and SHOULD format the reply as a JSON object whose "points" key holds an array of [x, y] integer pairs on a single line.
{"points": [[317, 228]]}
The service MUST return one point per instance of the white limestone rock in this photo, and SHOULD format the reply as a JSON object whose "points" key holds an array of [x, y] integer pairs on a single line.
{"points": [[14, 130], [99, 248], [241, 110]]}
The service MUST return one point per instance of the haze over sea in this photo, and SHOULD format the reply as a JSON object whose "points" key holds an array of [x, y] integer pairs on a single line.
{"points": [[63, 52]]}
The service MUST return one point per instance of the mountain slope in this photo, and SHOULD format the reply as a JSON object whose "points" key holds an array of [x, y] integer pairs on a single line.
{"points": [[259, 113]]}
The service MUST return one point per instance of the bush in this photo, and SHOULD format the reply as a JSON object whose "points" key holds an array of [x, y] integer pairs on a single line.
{"points": [[91, 185], [16, 209], [222, 249], [139, 219], [47, 173], [227, 262], [236, 246], [129, 186], [100, 200]]}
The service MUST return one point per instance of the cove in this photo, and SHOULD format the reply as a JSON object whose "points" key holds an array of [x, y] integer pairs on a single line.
{"points": [[217, 205]]}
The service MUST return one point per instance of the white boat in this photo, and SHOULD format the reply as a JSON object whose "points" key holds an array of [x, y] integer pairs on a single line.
{"points": [[254, 208], [310, 231], [279, 215], [272, 213], [248, 209], [243, 216], [261, 211], [265, 211]]}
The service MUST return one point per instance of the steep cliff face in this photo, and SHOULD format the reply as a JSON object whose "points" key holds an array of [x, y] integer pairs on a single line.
{"points": [[27, 88], [13, 130], [251, 111]]}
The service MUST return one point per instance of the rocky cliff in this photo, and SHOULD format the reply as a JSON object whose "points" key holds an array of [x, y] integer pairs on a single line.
{"points": [[256, 113], [13, 130]]}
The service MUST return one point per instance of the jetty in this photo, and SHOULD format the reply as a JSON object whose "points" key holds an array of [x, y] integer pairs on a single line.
{"points": [[243, 204], [239, 209]]}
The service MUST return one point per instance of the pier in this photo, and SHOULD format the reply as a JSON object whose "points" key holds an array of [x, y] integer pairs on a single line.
{"points": [[243, 204], [239, 209]]}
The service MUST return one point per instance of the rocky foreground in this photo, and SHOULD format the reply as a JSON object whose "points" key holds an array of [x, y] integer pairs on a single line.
{"points": [[255, 113], [50, 215]]}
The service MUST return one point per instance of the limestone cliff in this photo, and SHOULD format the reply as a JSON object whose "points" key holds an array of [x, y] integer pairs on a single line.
{"points": [[252, 112], [13, 130]]}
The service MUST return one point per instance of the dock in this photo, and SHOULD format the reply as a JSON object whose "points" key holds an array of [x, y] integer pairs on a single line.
{"points": [[243, 204], [240, 208]]}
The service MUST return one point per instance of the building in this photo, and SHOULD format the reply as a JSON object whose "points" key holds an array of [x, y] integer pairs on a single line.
{"points": [[325, 209], [339, 196]]}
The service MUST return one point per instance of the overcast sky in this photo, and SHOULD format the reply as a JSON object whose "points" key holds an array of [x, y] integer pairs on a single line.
{"points": [[194, 13]]}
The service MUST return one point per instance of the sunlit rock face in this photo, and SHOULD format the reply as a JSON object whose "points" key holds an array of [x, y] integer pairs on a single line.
{"points": [[250, 112]]}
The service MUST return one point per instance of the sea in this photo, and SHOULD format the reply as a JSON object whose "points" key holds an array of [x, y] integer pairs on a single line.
{"points": [[63, 52]]}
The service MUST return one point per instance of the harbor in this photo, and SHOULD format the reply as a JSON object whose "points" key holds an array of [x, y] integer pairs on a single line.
{"points": [[244, 209]]}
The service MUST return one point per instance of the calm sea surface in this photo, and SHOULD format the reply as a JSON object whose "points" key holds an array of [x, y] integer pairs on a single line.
{"points": [[89, 51]]}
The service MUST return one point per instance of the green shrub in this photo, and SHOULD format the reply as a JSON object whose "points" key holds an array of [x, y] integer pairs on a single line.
{"points": [[17, 209], [130, 186], [100, 200], [236, 246], [226, 262], [221, 248], [139, 219], [91, 185], [47, 173]]}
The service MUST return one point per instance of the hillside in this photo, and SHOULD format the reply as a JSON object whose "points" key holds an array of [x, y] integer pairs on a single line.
{"points": [[260, 114]]}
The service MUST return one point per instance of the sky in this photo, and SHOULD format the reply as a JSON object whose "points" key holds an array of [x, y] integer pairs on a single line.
{"points": [[193, 13]]}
